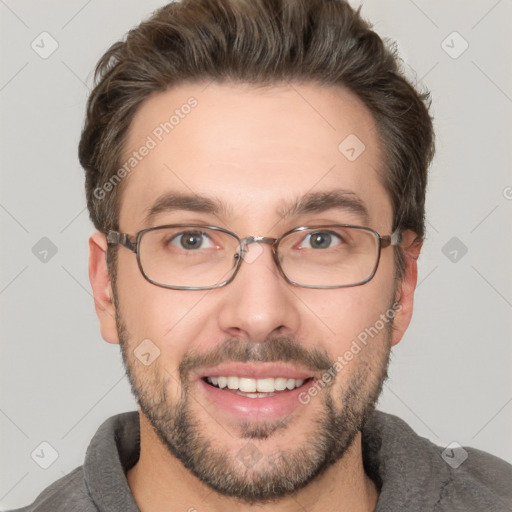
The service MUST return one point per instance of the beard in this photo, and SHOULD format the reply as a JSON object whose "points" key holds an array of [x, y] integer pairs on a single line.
{"points": [[249, 475]]}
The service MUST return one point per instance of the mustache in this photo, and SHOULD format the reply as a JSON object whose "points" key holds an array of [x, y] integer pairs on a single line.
{"points": [[282, 348]]}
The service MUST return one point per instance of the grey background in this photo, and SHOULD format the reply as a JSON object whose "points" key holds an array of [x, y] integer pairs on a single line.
{"points": [[450, 377]]}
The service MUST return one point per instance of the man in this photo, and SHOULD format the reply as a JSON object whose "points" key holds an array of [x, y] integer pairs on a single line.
{"points": [[256, 172]]}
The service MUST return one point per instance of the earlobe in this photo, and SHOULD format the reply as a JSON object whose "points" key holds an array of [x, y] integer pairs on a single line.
{"points": [[405, 290], [102, 287]]}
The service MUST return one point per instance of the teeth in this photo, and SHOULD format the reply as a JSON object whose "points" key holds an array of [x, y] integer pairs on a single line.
{"points": [[246, 385], [233, 382], [290, 383], [266, 385], [280, 384]]}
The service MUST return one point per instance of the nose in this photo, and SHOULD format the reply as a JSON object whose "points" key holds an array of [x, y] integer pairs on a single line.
{"points": [[259, 302]]}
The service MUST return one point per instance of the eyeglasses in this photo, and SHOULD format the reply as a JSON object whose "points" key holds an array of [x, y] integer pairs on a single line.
{"points": [[197, 257]]}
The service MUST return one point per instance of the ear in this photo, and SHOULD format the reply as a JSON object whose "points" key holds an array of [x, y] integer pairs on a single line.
{"points": [[102, 287], [405, 289]]}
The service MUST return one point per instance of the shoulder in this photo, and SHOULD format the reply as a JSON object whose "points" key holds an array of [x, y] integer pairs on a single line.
{"points": [[481, 482], [67, 493], [417, 474]]}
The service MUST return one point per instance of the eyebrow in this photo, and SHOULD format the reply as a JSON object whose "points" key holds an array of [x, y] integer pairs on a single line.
{"points": [[317, 202], [175, 201], [312, 202]]}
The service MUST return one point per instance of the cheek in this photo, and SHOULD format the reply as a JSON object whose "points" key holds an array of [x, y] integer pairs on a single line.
{"points": [[147, 310], [173, 320], [343, 314]]}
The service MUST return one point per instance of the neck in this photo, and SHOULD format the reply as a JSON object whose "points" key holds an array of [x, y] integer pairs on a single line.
{"points": [[159, 479]]}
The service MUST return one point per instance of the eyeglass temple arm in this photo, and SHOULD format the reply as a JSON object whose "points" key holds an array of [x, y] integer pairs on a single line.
{"points": [[114, 237], [394, 239]]}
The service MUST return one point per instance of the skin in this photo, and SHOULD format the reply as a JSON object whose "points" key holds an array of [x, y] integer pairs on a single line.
{"points": [[252, 148]]}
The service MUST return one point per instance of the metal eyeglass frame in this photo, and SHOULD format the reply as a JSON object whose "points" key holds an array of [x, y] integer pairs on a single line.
{"points": [[132, 243]]}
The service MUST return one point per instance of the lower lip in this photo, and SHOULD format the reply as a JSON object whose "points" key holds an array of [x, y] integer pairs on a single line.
{"points": [[268, 408]]}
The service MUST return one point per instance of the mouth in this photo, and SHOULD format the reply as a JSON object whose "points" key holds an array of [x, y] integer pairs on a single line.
{"points": [[260, 391]]}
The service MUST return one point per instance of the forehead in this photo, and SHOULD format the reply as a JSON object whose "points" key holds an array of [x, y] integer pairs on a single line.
{"points": [[255, 151]]}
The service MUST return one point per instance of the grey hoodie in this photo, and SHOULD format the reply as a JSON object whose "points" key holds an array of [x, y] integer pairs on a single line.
{"points": [[410, 472]]}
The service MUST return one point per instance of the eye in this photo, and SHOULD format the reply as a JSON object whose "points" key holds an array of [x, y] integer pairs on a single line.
{"points": [[321, 240], [191, 240]]}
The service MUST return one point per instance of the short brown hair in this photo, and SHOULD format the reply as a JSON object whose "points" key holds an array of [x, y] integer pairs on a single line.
{"points": [[261, 42]]}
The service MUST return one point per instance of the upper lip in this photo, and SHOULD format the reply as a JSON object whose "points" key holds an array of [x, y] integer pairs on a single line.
{"points": [[255, 371]]}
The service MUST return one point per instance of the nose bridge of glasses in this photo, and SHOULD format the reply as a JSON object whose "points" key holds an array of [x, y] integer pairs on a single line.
{"points": [[256, 240]]}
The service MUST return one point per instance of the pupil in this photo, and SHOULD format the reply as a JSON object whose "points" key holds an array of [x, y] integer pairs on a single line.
{"points": [[321, 240]]}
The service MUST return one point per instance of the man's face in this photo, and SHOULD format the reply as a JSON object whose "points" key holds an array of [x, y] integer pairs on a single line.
{"points": [[255, 152]]}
